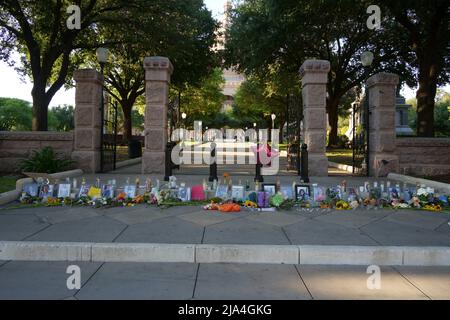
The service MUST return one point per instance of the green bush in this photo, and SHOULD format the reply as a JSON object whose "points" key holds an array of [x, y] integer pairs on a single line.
{"points": [[45, 161]]}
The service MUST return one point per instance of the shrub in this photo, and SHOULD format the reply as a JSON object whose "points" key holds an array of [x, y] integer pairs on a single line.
{"points": [[45, 161]]}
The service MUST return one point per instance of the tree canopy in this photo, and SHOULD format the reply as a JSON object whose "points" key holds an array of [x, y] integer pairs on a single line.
{"points": [[50, 51], [268, 33]]}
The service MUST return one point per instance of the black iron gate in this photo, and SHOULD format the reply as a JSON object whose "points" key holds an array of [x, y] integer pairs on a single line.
{"points": [[173, 114], [360, 141], [109, 136], [294, 118]]}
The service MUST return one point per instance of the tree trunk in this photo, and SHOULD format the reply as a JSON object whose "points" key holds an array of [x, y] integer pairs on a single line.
{"points": [[333, 122], [426, 95], [40, 108], [281, 132], [128, 124]]}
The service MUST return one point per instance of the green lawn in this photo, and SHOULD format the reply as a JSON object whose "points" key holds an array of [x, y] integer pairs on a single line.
{"points": [[7, 183], [343, 156]]}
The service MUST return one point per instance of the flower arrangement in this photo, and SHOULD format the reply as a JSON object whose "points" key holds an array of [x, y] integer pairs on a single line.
{"points": [[342, 205], [339, 198]]}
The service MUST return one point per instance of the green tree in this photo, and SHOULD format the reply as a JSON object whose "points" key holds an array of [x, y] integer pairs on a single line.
{"points": [[49, 50], [61, 118], [15, 115], [185, 34], [441, 114], [260, 97], [286, 33], [426, 24], [203, 101]]}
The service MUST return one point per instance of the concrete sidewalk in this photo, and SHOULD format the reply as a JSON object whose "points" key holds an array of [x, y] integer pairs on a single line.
{"points": [[192, 225], [47, 280], [185, 226]]}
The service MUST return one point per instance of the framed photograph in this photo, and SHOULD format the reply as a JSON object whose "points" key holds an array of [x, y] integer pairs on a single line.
{"points": [[319, 194], [270, 188], [237, 192], [302, 192], [84, 191], [31, 189], [108, 191], [222, 191], [352, 196], [287, 192], [64, 190], [130, 191], [394, 193], [46, 191], [183, 194]]}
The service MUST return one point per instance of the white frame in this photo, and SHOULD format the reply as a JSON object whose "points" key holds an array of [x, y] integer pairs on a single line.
{"points": [[130, 190], [220, 191], [64, 190], [240, 190]]}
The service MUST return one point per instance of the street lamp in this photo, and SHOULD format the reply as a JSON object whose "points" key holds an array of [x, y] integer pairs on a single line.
{"points": [[367, 58], [183, 116], [366, 61], [102, 57], [273, 116]]}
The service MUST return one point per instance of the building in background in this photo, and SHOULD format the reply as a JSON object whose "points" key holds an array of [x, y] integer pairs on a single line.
{"points": [[233, 80]]}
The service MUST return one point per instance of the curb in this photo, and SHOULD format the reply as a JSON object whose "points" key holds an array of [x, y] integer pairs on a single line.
{"points": [[129, 162], [412, 180], [245, 254], [341, 166]]}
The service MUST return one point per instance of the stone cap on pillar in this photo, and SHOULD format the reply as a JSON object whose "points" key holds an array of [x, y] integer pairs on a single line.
{"points": [[87, 75], [315, 71], [383, 78], [158, 63]]}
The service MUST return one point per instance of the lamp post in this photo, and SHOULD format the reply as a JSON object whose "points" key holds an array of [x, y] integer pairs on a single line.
{"points": [[366, 61], [273, 116], [102, 57], [183, 117]]}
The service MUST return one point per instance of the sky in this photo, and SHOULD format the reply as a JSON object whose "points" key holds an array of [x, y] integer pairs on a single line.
{"points": [[11, 86]]}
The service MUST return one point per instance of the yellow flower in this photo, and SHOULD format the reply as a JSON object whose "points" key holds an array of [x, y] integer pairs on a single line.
{"points": [[342, 205]]}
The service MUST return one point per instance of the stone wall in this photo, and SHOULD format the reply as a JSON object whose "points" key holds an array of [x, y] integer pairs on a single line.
{"points": [[423, 156], [16, 146]]}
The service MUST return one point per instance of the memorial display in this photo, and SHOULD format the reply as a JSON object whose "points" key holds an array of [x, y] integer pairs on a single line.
{"points": [[224, 197]]}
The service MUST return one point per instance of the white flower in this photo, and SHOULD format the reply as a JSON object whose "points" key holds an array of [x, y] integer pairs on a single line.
{"points": [[422, 191]]}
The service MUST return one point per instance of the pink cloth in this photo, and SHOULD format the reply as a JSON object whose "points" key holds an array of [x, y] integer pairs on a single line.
{"points": [[197, 193], [266, 153]]}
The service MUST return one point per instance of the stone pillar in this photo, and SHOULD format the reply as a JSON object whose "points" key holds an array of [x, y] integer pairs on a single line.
{"points": [[88, 124], [314, 76], [382, 133], [157, 79]]}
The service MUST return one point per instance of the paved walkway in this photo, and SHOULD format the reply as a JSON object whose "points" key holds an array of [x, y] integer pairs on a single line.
{"points": [[47, 280], [192, 225], [145, 224]]}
